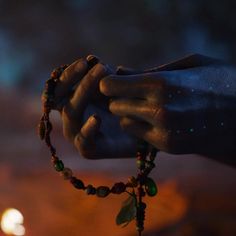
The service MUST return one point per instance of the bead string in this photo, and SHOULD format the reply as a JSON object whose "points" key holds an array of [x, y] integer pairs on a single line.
{"points": [[145, 156]]}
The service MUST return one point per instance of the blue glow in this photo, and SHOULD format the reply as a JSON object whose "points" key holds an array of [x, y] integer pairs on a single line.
{"points": [[14, 61]]}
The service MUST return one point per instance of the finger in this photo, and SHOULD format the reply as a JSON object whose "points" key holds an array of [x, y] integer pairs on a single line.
{"points": [[156, 136], [86, 88], [137, 108], [105, 148], [122, 70], [84, 141], [72, 74], [91, 127], [92, 144], [71, 126], [136, 86], [72, 113]]}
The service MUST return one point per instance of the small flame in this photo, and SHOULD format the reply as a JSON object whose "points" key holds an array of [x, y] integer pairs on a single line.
{"points": [[12, 222]]}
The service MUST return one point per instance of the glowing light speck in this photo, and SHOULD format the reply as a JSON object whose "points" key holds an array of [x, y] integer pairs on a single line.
{"points": [[12, 222]]}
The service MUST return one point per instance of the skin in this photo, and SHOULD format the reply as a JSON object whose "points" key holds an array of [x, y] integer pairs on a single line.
{"points": [[188, 106]]}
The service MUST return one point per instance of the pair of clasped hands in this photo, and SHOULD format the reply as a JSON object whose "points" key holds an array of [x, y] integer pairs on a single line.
{"points": [[180, 108]]}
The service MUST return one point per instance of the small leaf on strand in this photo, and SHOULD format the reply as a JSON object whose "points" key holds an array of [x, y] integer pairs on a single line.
{"points": [[128, 211]]}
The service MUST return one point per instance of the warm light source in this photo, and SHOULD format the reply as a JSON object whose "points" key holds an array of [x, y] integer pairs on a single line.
{"points": [[11, 222]]}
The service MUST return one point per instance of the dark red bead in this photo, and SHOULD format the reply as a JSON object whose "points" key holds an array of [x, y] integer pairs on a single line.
{"points": [[150, 165], [132, 182], [64, 66], [90, 190], [53, 150], [55, 74], [54, 159], [140, 157], [77, 183], [118, 188]]}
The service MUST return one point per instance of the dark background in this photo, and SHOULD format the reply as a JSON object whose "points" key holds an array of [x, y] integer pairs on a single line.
{"points": [[196, 195]]}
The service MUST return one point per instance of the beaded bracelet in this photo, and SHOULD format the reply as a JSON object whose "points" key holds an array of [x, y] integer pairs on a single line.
{"points": [[133, 207]]}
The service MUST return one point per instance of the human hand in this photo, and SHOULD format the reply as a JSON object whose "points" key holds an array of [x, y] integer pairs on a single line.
{"points": [[87, 121], [180, 111]]}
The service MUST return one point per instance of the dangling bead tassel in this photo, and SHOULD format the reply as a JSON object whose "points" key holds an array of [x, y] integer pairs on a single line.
{"points": [[141, 160], [141, 206]]}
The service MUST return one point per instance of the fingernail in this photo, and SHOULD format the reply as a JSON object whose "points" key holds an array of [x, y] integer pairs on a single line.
{"points": [[119, 70], [92, 60], [96, 117]]}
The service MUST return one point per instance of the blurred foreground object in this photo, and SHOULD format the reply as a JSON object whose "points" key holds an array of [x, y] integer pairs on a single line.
{"points": [[11, 222]]}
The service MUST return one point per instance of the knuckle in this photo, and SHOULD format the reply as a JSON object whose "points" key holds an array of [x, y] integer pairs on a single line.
{"points": [[104, 86], [161, 116], [78, 66], [126, 124], [123, 124]]}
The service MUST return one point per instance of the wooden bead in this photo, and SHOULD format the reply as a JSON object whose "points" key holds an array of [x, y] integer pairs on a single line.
{"points": [[118, 188], [67, 173], [132, 181], [102, 191], [90, 190], [77, 183]]}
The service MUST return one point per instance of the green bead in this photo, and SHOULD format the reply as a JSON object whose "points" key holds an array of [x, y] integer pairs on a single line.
{"points": [[150, 187], [102, 191], [140, 164], [59, 166]]}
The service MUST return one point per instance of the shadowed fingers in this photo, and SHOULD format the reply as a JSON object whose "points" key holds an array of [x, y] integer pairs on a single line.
{"points": [[156, 136], [85, 139], [135, 86], [86, 89], [73, 111], [72, 75]]}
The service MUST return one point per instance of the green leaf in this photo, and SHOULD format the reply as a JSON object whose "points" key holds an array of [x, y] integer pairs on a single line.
{"points": [[128, 211]]}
